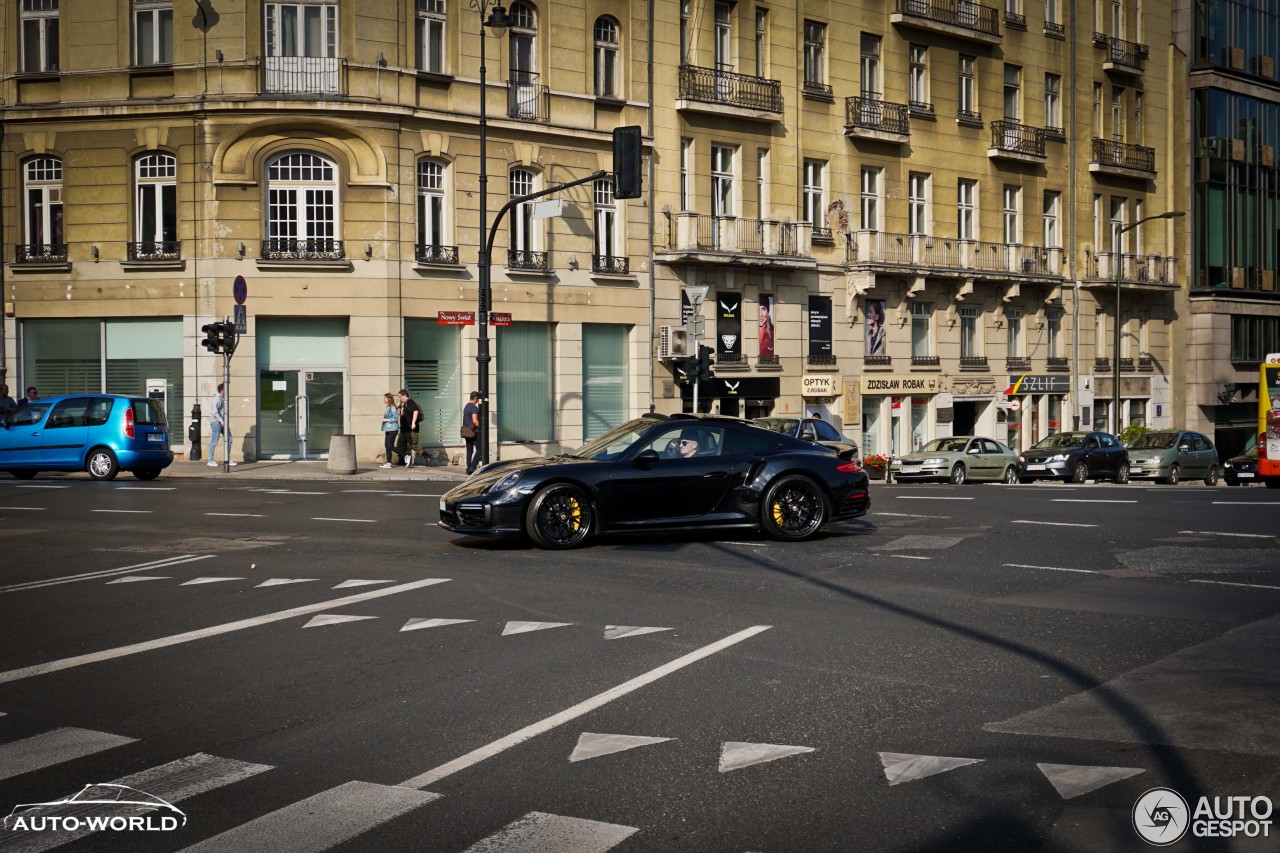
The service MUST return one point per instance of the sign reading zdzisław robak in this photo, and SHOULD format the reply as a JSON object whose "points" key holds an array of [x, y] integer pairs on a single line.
{"points": [[909, 383]]}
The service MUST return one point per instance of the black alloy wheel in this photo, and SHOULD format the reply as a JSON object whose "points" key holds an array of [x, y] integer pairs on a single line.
{"points": [[559, 516], [793, 508], [1079, 474]]}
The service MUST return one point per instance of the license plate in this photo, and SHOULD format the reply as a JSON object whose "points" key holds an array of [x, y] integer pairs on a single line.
{"points": [[442, 504], [1035, 467], [1245, 474], [914, 469], [156, 437]]}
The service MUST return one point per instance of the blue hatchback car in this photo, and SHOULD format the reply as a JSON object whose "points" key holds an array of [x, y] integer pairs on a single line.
{"points": [[103, 434]]}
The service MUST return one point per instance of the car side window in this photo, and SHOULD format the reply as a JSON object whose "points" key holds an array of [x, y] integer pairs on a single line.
{"points": [[747, 443], [806, 432], [826, 432], [27, 415], [69, 413], [1108, 441], [989, 446], [98, 411]]}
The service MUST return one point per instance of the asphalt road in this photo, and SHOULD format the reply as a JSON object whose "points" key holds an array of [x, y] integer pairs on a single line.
{"points": [[978, 668]]}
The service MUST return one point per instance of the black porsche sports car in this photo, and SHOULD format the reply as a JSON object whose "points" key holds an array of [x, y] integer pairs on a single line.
{"points": [[663, 473]]}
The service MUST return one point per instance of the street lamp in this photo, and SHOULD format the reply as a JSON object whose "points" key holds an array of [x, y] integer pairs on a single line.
{"points": [[498, 21], [1115, 351]]}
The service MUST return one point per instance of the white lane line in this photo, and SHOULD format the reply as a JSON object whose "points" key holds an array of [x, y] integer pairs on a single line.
{"points": [[1221, 533], [54, 747], [586, 706], [370, 492], [1053, 523], [126, 511], [1050, 568], [25, 508], [359, 520], [1249, 585], [320, 822], [212, 631], [173, 782], [145, 488], [908, 515], [1086, 501], [542, 831], [404, 495], [43, 487], [286, 492], [908, 557], [237, 514], [167, 562], [1246, 503], [927, 498]]}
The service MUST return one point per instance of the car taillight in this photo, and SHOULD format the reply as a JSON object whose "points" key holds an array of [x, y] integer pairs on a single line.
{"points": [[128, 422], [849, 468], [1262, 445]]}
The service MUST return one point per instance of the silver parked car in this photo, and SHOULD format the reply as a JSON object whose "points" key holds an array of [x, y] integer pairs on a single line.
{"points": [[1169, 456], [958, 459]]}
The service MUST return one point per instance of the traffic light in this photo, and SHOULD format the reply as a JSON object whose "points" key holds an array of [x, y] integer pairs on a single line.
{"points": [[626, 162], [219, 338], [705, 364], [211, 331]]}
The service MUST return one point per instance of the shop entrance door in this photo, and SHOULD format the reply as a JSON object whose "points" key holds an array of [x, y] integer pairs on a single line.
{"points": [[299, 411]]}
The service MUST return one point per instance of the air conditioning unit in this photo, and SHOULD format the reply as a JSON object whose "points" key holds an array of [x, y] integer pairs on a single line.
{"points": [[673, 342]]}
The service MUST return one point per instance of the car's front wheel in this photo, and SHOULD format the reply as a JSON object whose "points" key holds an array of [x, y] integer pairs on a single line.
{"points": [[102, 464], [1080, 473], [1122, 474], [1175, 475], [1211, 479], [559, 516], [958, 475], [1010, 476], [147, 473], [793, 509]]}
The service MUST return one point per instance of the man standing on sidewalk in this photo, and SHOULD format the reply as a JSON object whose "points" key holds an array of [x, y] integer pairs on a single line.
{"points": [[410, 414], [471, 430], [218, 426]]}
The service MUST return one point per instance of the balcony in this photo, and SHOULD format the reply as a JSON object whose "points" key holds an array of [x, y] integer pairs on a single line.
{"points": [[443, 256], [1017, 364], [609, 265], [823, 360], [524, 260], [53, 254], [1011, 140], [960, 18], [926, 361], [973, 362], [1123, 56], [302, 75], [1057, 364], [527, 99], [724, 92], [1122, 160], [878, 361], [1151, 272], [153, 251], [872, 118], [944, 256], [1015, 20], [758, 243], [814, 89], [290, 249], [1054, 30]]}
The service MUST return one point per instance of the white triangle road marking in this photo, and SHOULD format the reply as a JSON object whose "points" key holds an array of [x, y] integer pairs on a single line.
{"points": [[283, 581], [902, 767], [137, 578], [349, 584], [333, 619], [526, 627], [618, 632], [198, 581], [735, 755], [1072, 780], [419, 624], [593, 745], [541, 831], [54, 747]]}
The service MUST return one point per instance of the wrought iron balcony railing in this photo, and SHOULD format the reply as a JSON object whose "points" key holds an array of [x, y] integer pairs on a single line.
{"points": [[302, 75], [969, 116], [1017, 138], [1016, 363], [739, 237], [527, 99], [1054, 29], [878, 361], [812, 87], [524, 259], [292, 249], [717, 86], [1016, 20], [1123, 155], [972, 362], [609, 265], [822, 235], [151, 250], [925, 361], [41, 253], [1126, 53], [875, 114], [821, 360], [957, 13], [1057, 362], [431, 254]]}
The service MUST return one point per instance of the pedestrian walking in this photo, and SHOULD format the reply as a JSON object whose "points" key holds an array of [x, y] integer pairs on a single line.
{"points": [[471, 430], [410, 415], [218, 426], [390, 426], [7, 403], [31, 396]]}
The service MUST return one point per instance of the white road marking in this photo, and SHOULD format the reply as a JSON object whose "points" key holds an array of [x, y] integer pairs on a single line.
{"points": [[144, 488], [174, 782], [928, 498], [43, 487], [349, 584], [370, 492], [902, 767], [735, 755], [1248, 585], [620, 632], [1053, 523], [320, 822], [139, 578], [593, 745], [201, 581], [908, 557], [24, 508], [125, 511], [286, 492], [54, 747], [1086, 501], [237, 514], [1246, 503], [1221, 533], [213, 631], [360, 520], [285, 581], [1073, 780], [419, 624], [1050, 568], [167, 562], [586, 706], [908, 515], [406, 495], [333, 619], [525, 627], [539, 831]]}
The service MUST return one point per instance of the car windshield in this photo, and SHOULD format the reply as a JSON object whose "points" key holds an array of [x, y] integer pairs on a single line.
{"points": [[614, 443], [1155, 439], [1062, 439], [945, 445], [786, 426]]}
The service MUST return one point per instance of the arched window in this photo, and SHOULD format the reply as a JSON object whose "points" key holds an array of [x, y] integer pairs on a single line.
{"points": [[42, 210], [302, 191], [522, 41], [433, 231], [606, 52], [523, 248], [155, 177]]}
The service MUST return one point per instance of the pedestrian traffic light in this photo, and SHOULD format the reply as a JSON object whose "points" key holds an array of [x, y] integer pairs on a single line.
{"points": [[705, 364], [627, 182]]}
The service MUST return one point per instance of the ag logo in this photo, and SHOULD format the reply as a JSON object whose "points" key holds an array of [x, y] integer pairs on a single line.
{"points": [[1160, 816]]}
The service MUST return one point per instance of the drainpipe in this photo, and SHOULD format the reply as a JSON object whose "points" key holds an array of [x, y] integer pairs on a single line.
{"points": [[1071, 225], [4, 323], [649, 240]]}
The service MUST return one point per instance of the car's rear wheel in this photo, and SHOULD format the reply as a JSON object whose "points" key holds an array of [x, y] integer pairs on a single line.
{"points": [[1010, 476], [1211, 479], [147, 473], [1175, 475], [559, 516], [1080, 473], [102, 464], [957, 475], [24, 473], [1122, 475], [793, 509]]}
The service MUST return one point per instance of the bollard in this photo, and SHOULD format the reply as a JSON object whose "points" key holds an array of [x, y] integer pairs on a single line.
{"points": [[342, 454], [193, 434]]}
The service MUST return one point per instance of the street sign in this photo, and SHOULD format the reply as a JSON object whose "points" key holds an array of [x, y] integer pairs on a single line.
{"points": [[240, 290], [546, 209], [696, 293], [1014, 405], [500, 318], [456, 318], [242, 319]]}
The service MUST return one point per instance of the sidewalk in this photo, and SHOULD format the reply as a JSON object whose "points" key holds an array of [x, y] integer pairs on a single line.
{"points": [[317, 469]]}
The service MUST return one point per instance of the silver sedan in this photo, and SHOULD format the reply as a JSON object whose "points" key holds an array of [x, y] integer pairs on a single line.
{"points": [[957, 460]]}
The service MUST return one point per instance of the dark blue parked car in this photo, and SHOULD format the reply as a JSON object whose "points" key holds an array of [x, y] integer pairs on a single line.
{"points": [[99, 433]]}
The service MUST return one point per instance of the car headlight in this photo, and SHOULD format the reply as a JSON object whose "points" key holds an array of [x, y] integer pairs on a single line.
{"points": [[935, 460], [1058, 457], [1022, 460], [505, 483]]}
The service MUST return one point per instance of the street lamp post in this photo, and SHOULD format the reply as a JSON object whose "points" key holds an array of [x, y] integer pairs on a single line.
{"points": [[498, 21], [1115, 351]]}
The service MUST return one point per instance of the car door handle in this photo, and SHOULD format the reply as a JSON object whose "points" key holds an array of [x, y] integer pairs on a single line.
{"points": [[714, 475]]}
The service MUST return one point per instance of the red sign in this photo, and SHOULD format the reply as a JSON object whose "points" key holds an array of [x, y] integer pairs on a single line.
{"points": [[499, 319], [456, 318]]}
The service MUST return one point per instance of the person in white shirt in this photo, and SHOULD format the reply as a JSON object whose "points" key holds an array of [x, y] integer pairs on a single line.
{"points": [[218, 426]]}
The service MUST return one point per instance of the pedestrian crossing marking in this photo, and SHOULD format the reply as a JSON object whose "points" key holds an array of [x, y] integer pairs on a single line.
{"points": [[526, 627], [54, 747], [333, 619], [735, 755], [1074, 780], [349, 584], [283, 581], [139, 578], [900, 767], [419, 624], [619, 632], [594, 745], [199, 581], [537, 832]]}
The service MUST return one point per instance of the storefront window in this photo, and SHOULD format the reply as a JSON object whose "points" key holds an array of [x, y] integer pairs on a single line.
{"points": [[524, 383], [604, 378], [871, 442], [919, 422], [1054, 422], [433, 378]]}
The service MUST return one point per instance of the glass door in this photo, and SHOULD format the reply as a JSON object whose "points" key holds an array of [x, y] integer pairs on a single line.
{"points": [[298, 412]]}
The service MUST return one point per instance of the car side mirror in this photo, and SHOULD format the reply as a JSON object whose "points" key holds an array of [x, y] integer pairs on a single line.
{"points": [[973, 451], [645, 457]]}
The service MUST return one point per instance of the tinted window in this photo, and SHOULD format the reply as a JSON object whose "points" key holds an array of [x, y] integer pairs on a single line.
{"points": [[748, 443], [148, 412], [1106, 440], [989, 446], [1062, 439], [826, 432], [69, 413], [98, 411]]}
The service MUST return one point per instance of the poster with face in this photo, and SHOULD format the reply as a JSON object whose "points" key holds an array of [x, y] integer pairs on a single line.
{"points": [[877, 338], [766, 326]]}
